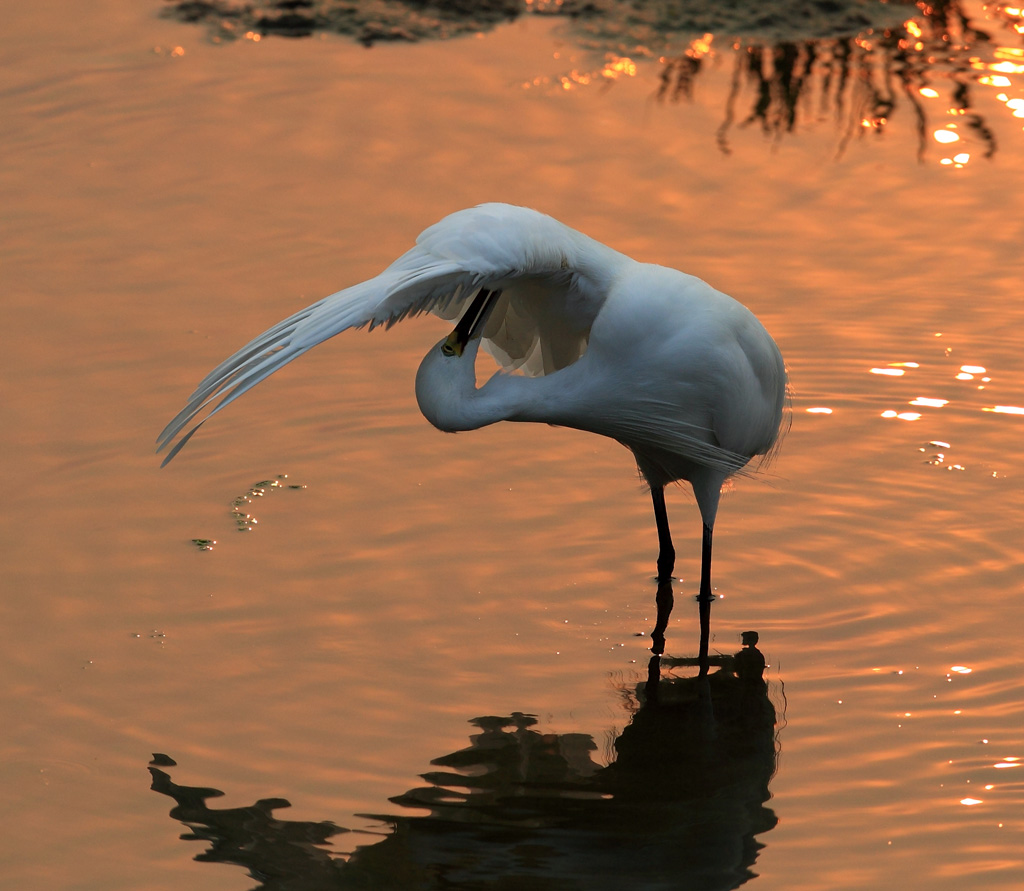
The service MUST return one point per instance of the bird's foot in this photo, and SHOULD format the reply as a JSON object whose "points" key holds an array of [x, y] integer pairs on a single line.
{"points": [[658, 644], [653, 679], [666, 564], [664, 601]]}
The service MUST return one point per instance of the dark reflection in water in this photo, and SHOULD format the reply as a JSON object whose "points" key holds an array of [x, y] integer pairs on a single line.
{"points": [[862, 81], [611, 22], [679, 806], [795, 63]]}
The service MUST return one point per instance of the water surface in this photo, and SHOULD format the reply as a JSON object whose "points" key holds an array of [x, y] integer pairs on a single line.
{"points": [[167, 197]]}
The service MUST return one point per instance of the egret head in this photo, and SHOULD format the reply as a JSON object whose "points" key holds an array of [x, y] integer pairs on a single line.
{"points": [[454, 345], [446, 379]]}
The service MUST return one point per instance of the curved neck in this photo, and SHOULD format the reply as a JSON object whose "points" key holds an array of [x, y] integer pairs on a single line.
{"points": [[448, 396]]}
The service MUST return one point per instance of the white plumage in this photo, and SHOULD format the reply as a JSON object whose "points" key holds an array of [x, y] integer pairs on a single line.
{"points": [[681, 374]]}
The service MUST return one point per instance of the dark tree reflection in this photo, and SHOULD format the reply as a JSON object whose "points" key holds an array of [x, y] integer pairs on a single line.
{"points": [[680, 805], [929, 67], [860, 64]]}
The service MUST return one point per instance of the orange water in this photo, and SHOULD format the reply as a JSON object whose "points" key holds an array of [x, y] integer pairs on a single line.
{"points": [[166, 198]]}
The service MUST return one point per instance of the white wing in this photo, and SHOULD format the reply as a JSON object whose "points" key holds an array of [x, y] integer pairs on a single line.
{"points": [[553, 281]]}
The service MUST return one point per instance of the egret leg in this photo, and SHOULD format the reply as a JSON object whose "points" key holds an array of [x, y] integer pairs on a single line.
{"points": [[664, 600], [666, 552], [704, 600], [705, 567]]}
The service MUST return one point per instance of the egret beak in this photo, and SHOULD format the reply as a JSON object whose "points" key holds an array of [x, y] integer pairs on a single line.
{"points": [[472, 322]]}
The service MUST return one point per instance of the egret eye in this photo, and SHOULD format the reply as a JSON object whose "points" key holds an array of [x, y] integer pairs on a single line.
{"points": [[447, 349]]}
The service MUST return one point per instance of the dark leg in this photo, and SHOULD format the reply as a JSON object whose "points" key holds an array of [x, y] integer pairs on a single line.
{"points": [[704, 600], [666, 553], [666, 563], [705, 567], [665, 601]]}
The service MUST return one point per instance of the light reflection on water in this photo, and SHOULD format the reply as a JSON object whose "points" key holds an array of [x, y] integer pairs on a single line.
{"points": [[165, 206], [925, 68]]}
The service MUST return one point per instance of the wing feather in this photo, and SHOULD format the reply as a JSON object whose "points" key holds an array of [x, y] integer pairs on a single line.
{"points": [[554, 280]]}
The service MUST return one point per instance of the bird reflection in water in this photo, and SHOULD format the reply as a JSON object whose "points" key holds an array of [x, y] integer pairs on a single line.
{"points": [[680, 805]]}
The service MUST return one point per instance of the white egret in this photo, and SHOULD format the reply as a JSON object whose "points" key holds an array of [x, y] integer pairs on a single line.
{"points": [[684, 376]]}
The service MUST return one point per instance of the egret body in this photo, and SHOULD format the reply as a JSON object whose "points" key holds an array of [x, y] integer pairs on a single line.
{"points": [[684, 376]]}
